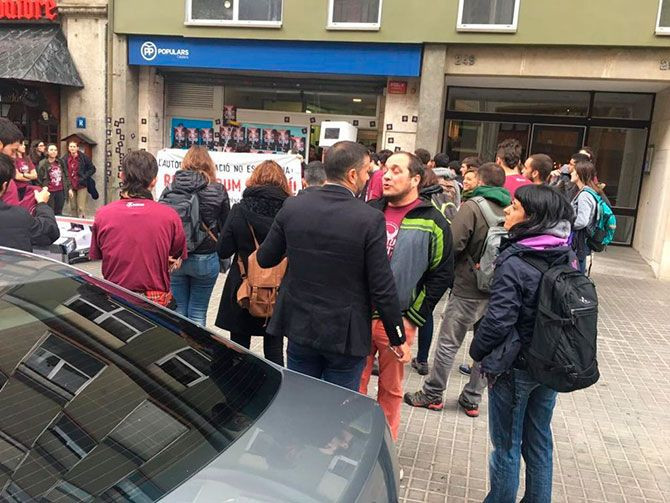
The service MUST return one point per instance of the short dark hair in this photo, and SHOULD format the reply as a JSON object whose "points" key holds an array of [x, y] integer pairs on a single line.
{"points": [[342, 157], [472, 162], [139, 170], [441, 160], [510, 155], [491, 174], [545, 207], [314, 173], [455, 165], [384, 155], [416, 166], [9, 133], [578, 157], [423, 155], [543, 164], [7, 170]]}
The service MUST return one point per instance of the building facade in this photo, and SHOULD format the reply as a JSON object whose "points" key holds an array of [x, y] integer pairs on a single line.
{"points": [[456, 77]]}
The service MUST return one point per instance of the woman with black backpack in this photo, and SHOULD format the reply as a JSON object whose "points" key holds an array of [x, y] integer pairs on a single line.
{"points": [[520, 408], [249, 222], [192, 284]]}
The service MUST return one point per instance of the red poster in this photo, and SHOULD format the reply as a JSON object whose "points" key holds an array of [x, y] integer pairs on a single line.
{"points": [[397, 87]]}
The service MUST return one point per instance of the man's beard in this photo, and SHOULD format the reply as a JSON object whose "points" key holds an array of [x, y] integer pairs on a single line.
{"points": [[395, 198]]}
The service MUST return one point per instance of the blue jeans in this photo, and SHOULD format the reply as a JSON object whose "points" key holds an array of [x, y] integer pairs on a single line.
{"points": [[425, 339], [342, 370], [192, 285], [520, 411]]}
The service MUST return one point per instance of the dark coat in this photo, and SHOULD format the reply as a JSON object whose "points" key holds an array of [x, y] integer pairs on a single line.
{"points": [[20, 230], [258, 208], [213, 203], [86, 168], [43, 179], [337, 270], [507, 326]]}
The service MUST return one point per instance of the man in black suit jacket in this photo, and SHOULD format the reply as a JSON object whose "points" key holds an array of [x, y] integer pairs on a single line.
{"points": [[338, 269]]}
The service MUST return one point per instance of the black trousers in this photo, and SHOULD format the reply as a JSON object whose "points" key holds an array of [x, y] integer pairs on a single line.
{"points": [[56, 201], [273, 347]]}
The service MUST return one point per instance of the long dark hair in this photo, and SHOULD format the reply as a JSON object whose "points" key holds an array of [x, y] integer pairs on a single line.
{"points": [[36, 156], [586, 172], [545, 207], [139, 170]]}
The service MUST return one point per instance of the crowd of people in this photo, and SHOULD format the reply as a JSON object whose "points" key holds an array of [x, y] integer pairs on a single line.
{"points": [[373, 242]]}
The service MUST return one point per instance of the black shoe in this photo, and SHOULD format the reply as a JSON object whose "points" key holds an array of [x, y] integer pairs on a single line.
{"points": [[421, 368], [419, 399], [465, 369]]}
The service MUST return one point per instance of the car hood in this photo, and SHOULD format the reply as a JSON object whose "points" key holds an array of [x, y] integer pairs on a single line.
{"points": [[316, 442]]}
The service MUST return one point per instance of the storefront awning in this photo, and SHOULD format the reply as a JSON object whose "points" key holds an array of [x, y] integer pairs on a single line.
{"points": [[37, 53]]}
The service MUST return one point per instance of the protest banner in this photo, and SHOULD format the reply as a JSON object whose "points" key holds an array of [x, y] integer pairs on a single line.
{"points": [[232, 169]]}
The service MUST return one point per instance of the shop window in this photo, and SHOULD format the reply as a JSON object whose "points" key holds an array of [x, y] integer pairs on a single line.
{"points": [[260, 13], [147, 430], [622, 106], [663, 21], [354, 14], [186, 366], [518, 101], [61, 364], [488, 15]]}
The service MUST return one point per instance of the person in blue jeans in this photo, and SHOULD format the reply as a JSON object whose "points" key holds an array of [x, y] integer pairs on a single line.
{"points": [[192, 283], [539, 221]]}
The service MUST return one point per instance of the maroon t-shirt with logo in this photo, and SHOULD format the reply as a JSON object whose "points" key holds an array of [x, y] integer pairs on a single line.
{"points": [[55, 177], [73, 171], [513, 182], [394, 217], [135, 238], [23, 166]]}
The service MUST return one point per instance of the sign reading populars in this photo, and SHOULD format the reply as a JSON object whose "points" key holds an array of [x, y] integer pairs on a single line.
{"points": [[28, 9]]}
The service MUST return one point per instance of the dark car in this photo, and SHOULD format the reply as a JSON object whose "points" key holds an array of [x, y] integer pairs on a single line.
{"points": [[105, 396]]}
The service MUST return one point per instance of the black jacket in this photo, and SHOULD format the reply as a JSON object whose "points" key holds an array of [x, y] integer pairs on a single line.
{"points": [[337, 270], [213, 201], [507, 326], [20, 230], [258, 208], [86, 168]]}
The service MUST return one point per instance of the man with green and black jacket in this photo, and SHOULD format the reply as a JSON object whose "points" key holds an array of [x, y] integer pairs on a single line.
{"points": [[419, 247], [467, 303]]}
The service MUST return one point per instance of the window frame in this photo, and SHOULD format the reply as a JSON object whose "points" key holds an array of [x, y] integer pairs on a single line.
{"points": [[661, 30], [483, 28], [235, 22], [332, 25], [175, 355]]}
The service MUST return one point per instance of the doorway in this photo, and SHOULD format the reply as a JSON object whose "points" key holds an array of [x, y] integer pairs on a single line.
{"points": [[557, 141]]}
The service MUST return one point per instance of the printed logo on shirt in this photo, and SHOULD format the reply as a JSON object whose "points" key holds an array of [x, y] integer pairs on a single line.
{"points": [[131, 204], [391, 237], [56, 175]]}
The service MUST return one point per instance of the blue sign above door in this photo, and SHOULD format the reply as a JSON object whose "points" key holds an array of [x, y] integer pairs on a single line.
{"points": [[392, 60]]}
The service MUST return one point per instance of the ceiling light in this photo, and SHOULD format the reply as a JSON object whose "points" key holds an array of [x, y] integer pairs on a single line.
{"points": [[357, 100]]}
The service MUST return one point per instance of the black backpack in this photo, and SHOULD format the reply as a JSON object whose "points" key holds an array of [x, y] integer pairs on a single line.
{"points": [[187, 206], [562, 352]]}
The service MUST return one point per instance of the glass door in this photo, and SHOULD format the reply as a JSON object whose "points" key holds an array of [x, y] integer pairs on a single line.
{"points": [[558, 142]]}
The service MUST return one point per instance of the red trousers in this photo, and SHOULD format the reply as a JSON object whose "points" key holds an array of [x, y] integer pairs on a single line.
{"points": [[391, 374]]}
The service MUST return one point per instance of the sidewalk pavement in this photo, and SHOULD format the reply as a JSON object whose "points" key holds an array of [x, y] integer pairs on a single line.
{"points": [[611, 441]]}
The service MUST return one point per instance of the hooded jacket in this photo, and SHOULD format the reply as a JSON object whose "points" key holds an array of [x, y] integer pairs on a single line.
{"points": [[213, 202], [469, 230], [508, 324], [422, 261]]}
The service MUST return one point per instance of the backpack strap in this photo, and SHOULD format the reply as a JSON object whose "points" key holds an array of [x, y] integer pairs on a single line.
{"points": [[492, 220], [253, 234]]}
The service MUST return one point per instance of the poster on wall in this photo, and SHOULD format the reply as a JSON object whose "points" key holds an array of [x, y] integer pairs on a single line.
{"points": [[229, 114], [273, 138], [232, 169], [188, 132]]}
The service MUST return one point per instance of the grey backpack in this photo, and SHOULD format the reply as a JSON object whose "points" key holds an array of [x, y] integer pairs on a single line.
{"points": [[485, 267]]}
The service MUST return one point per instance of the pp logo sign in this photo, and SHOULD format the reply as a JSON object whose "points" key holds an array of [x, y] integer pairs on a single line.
{"points": [[148, 51]]}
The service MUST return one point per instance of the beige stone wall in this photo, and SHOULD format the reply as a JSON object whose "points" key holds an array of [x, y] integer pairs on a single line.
{"points": [[151, 100], [85, 27], [652, 237], [403, 134]]}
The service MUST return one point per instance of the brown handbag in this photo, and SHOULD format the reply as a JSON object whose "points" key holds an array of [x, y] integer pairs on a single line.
{"points": [[258, 291]]}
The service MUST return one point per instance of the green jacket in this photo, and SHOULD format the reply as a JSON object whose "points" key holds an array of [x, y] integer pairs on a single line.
{"points": [[422, 261]]}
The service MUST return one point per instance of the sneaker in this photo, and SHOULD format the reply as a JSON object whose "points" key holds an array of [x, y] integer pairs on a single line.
{"points": [[420, 399], [421, 368], [470, 409], [464, 369]]}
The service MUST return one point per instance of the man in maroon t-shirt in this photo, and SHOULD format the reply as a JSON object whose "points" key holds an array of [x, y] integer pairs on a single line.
{"points": [[139, 240], [508, 158]]}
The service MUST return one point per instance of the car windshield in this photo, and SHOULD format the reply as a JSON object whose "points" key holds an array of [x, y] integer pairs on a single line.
{"points": [[107, 397]]}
